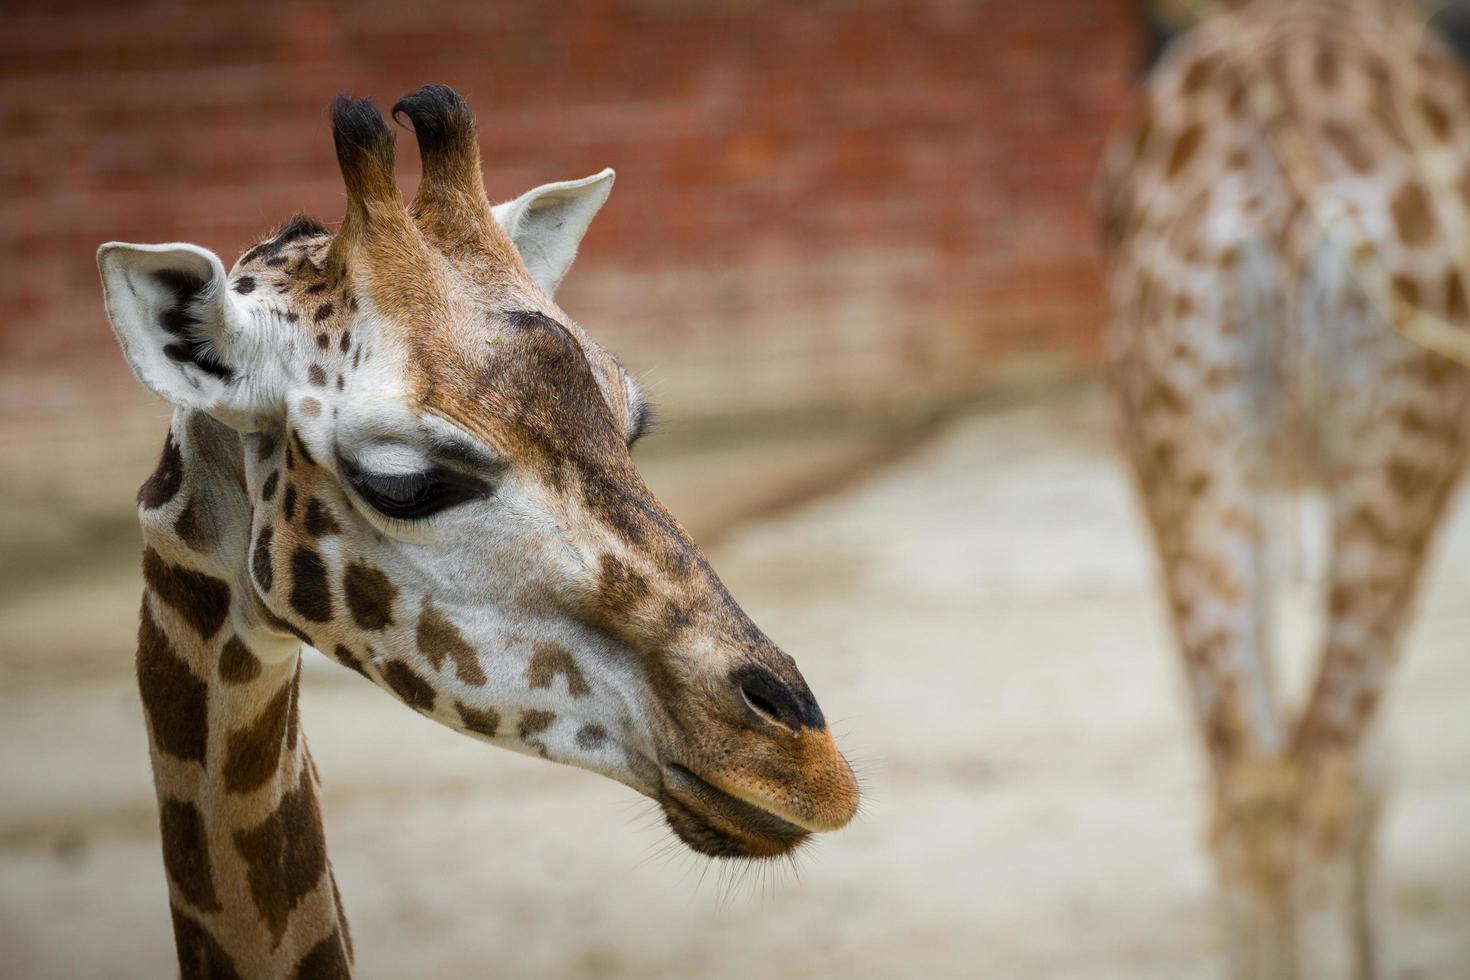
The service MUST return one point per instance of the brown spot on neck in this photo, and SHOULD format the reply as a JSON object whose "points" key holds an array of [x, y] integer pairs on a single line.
{"points": [[201, 600], [163, 485], [327, 960], [174, 700], [200, 955], [186, 854], [254, 753], [285, 856], [237, 665]]}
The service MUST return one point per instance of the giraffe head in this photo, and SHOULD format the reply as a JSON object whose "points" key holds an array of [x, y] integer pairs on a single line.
{"points": [[441, 494]]}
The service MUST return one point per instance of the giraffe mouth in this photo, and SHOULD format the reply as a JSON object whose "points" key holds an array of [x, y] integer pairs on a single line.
{"points": [[715, 823]]}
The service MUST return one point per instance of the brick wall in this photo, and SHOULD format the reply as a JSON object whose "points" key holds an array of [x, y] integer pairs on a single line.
{"points": [[816, 202]]}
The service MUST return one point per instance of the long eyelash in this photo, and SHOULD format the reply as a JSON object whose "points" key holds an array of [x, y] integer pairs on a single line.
{"points": [[399, 526], [645, 421]]}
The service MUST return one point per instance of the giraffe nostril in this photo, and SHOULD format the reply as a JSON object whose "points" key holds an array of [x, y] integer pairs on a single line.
{"points": [[789, 705]]}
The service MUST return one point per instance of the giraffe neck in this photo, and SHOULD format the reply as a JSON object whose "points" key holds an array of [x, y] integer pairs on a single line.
{"points": [[250, 888]]}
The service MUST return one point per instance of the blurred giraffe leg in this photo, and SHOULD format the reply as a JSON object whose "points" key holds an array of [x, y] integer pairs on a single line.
{"points": [[1388, 497], [1196, 431]]}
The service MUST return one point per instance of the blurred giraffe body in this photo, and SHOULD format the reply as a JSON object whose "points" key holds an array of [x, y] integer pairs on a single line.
{"points": [[1250, 352]]}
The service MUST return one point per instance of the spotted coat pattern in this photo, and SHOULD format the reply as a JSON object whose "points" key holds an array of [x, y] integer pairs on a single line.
{"points": [[601, 637], [1247, 359]]}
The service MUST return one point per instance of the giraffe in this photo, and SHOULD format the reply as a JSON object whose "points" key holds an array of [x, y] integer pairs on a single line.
{"points": [[389, 443], [1252, 350]]}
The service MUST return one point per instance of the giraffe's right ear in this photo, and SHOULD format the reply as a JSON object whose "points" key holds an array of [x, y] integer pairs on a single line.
{"points": [[178, 325]]}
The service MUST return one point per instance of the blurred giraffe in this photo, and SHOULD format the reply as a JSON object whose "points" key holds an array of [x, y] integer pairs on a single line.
{"points": [[1253, 348]]}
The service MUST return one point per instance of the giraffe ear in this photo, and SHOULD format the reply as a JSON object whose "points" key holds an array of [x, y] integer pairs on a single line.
{"points": [[177, 323], [547, 224]]}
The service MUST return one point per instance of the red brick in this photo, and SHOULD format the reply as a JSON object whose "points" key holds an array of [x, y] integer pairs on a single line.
{"points": [[922, 167]]}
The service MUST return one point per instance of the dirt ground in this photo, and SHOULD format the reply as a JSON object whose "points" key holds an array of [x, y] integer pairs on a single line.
{"points": [[978, 619]]}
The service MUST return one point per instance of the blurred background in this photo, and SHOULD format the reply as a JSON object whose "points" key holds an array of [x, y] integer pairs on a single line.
{"points": [[852, 253]]}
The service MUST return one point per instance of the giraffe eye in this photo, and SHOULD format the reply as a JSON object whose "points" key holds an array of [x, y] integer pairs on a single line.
{"points": [[413, 496]]}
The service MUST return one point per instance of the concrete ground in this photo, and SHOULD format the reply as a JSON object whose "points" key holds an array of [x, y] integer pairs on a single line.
{"points": [[978, 619]]}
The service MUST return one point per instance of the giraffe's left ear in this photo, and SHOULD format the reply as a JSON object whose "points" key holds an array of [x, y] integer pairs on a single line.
{"points": [[547, 224], [178, 325]]}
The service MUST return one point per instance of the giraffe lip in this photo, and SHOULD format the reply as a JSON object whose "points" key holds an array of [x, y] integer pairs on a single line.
{"points": [[713, 822]]}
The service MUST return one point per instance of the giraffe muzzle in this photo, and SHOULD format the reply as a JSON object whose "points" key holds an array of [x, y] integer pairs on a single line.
{"points": [[716, 823], [788, 783]]}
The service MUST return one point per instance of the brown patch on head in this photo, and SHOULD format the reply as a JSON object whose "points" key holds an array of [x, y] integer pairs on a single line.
{"points": [[201, 957], [484, 721], [591, 737], [167, 477], [254, 753], [533, 723], [260, 561], [535, 395], [437, 638], [370, 596], [310, 407], [551, 660], [310, 595], [413, 689], [237, 665], [201, 600], [1412, 214], [186, 854], [285, 856], [619, 588], [319, 520], [175, 701]]}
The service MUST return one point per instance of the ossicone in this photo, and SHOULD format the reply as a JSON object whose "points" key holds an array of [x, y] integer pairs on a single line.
{"points": [[364, 150], [445, 128]]}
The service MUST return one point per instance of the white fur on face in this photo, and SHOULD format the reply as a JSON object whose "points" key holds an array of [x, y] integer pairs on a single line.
{"points": [[503, 569]]}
